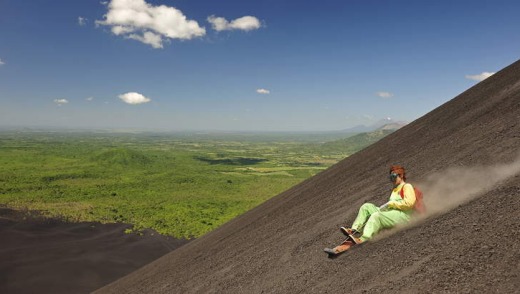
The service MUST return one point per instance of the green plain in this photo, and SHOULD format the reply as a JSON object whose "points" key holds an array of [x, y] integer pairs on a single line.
{"points": [[183, 185]]}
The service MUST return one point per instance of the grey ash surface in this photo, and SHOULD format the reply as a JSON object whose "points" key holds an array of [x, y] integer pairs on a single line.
{"points": [[277, 246]]}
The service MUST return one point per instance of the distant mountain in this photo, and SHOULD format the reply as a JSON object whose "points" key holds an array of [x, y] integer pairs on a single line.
{"points": [[392, 126], [357, 129], [358, 142], [386, 123]]}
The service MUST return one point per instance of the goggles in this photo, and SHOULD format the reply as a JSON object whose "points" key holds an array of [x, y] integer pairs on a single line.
{"points": [[393, 176]]}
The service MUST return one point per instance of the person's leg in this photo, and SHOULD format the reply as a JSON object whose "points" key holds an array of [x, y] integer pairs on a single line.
{"points": [[383, 220], [365, 211]]}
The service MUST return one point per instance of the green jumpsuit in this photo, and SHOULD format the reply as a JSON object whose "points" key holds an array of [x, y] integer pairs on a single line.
{"points": [[371, 219]]}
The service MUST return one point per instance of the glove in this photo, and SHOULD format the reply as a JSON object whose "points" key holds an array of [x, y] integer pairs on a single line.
{"points": [[384, 206]]}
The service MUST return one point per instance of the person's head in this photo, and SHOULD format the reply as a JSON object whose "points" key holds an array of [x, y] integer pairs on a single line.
{"points": [[397, 174]]}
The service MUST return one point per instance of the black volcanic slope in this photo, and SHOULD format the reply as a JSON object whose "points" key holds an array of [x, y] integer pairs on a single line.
{"points": [[472, 248], [42, 255]]}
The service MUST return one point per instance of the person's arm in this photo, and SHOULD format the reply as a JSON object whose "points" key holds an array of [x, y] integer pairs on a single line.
{"points": [[407, 202]]}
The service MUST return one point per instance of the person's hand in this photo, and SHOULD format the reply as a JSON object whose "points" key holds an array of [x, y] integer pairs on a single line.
{"points": [[384, 206]]}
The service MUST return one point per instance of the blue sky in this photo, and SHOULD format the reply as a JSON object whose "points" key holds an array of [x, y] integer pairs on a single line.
{"points": [[244, 65]]}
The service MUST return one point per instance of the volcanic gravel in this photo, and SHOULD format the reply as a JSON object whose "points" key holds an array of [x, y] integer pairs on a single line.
{"points": [[41, 255], [473, 247]]}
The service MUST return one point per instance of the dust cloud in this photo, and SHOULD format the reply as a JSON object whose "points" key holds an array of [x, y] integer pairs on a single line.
{"points": [[449, 188]]}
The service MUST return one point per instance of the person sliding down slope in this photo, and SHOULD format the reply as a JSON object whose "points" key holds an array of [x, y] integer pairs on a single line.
{"points": [[371, 219]]}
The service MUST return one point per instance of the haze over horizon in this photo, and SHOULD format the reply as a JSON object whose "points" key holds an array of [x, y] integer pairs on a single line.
{"points": [[244, 66]]}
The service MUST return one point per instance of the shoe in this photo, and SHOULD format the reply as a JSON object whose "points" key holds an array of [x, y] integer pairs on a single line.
{"points": [[356, 240], [348, 231]]}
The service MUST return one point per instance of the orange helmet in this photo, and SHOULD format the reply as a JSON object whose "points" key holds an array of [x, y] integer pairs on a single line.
{"points": [[398, 170]]}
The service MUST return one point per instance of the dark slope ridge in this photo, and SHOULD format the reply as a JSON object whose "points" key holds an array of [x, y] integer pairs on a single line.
{"points": [[277, 246]]}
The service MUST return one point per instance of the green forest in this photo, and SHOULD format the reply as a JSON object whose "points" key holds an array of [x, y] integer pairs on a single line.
{"points": [[182, 185]]}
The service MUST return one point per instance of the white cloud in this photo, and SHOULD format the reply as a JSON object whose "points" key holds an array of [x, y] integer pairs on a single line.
{"points": [[1, 62], [134, 98], [245, 23], [121, 30], [384, 94], [82, 21], [149, 38], [60, 102], [218, 23], [138, 20], [90, 98], [263, 91], [480, 77]]}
